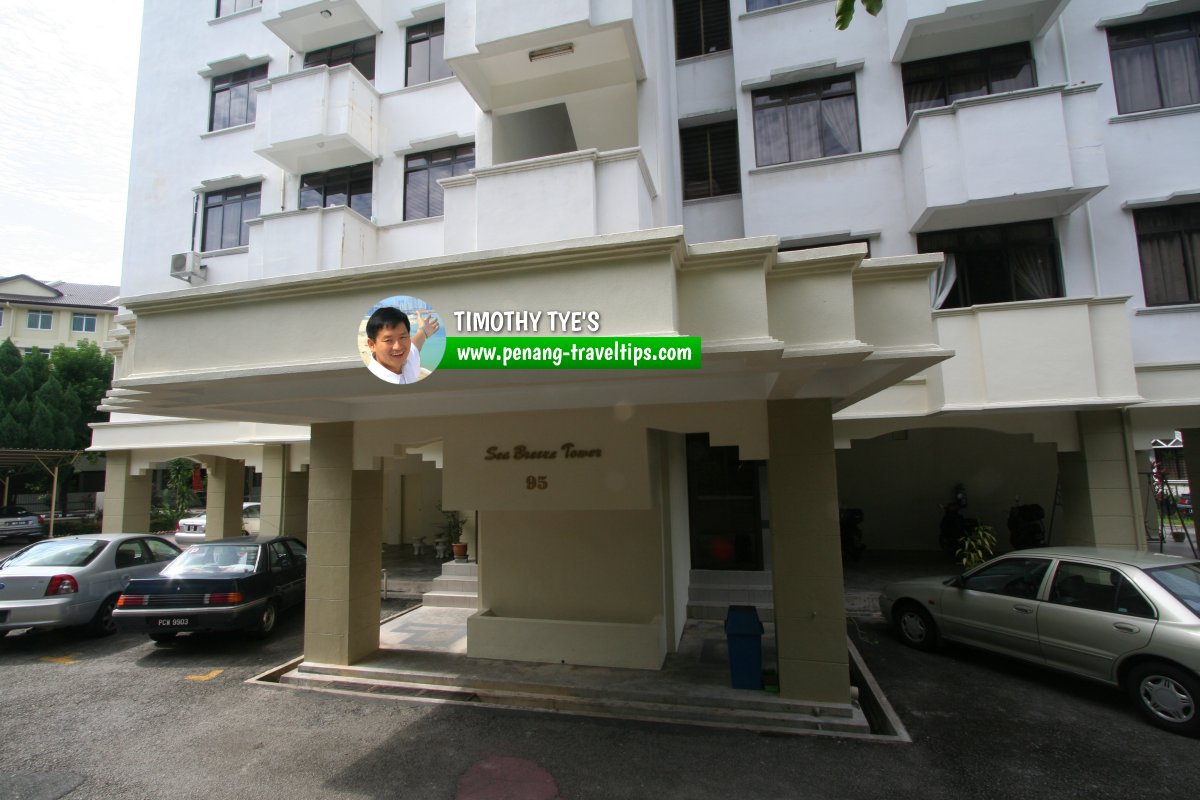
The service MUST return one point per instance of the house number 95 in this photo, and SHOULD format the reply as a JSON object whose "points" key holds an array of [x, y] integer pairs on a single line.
{"points": [[536, 482]]}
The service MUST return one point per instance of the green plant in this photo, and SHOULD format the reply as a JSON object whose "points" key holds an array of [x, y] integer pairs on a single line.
{"points": [[976, 546], [452, 524]]}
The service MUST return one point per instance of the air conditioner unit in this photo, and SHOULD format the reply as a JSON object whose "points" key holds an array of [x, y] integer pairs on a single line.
{"points": [[187, 266]]}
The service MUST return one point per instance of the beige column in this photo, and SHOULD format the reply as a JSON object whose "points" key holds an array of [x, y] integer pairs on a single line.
{"points": [[1191, 457], [810, 619], [226, 481], [1100, 488], [341, 622], [274, 476], [295, 506], [126, 496]]}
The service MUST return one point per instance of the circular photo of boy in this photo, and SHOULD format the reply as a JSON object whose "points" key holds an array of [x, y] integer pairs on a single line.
{"points": [[401, 339]]}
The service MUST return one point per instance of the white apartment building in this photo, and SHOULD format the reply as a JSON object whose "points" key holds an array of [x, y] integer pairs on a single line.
{"points": [[957, 243]]}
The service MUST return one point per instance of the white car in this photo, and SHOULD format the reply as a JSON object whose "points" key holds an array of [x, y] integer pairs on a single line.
{"points": [[193, 529]]}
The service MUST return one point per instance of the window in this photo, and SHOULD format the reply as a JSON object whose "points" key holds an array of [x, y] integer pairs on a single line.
{"points": [[938, 82], [83, 323], [422, 193], [39, 320], [710, 160], [161, 551], [701, 26], [360, 53], [1, 316], [225, 216], [347, 186], [805, 120], [1156, 64], [758, 5], [425, 60], [1012, 577], [227, 7], [1169, 249], [234, 98], [1097, 589], [1000, 264]]}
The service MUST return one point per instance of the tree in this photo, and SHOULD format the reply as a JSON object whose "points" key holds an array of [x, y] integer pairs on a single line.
{"points": [[844, 12], [47, 403]]}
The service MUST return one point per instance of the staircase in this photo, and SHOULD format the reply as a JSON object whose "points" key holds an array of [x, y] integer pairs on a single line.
{"points": [[712, 592], [456, 587]]}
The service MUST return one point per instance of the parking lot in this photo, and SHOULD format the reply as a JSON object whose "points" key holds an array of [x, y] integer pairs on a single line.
{"points": [[122, 717]]}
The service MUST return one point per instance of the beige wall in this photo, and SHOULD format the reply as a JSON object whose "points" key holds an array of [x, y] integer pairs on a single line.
{"points": [[899, 480]]}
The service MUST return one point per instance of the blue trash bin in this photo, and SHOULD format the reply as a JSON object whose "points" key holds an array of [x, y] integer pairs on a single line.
{"points": [[743, 634]]}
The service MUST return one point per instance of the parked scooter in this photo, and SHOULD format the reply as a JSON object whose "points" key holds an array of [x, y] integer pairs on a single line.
{"points": [[954, 525], [852, 543], [1025, 526]]}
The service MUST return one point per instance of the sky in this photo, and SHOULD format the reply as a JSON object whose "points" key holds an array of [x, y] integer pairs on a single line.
{"points": [[68, 72]]}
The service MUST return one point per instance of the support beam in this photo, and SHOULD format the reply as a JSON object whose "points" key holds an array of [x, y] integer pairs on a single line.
{"points": [[810, 618], [126, 496], [1100, 488], [226, 482]]}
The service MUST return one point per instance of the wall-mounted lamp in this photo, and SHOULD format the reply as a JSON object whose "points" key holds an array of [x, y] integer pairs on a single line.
{"points": [[551, 52], [326, 13]]}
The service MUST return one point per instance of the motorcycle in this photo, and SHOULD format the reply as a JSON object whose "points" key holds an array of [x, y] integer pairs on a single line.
{"points": [[1025, 526], [852, 544], [954, 525]]}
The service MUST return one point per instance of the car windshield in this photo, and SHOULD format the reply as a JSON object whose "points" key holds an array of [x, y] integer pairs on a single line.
{"points": [[60, 553], [214, 559], [1183, 581]]}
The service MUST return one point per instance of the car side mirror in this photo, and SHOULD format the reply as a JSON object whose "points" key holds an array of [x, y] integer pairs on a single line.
{"points": [[957, 582]]}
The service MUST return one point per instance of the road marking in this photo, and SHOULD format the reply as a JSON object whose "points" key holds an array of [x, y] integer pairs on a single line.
{"points": [[68, 659], [208, 676]]}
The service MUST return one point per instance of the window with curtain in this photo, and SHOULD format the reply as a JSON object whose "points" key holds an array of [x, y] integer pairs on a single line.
{"points": [[758, 5], [710, 160], [225, 216], [997, 264], [937, 82], [701, 26], [227, 7], [39, 320], [1156, 64], [806, 120], [360, 53], [234, 97], [423, 194], [1169, 249], [424, 53], [346, 186], [83, 323]]}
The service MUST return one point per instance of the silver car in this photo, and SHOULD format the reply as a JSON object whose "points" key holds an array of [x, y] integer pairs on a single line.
{"points": [[1124, 617], [76, 580]]}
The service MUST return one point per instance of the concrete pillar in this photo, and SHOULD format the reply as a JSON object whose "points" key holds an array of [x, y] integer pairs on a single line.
{"points": [[341, 621], [274, 476], [1191, 458], [226, 482], [1101, 500], [810, 620], [295, 506], [126, 496]]}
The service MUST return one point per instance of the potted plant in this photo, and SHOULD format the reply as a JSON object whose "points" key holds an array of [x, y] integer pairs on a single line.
{"points": [[452, 526]]}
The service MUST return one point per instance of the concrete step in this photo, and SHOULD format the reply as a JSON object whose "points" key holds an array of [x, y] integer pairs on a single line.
{"points": [[770, 714], [447, 599], [457, 583], [455, 569], [715, 610]]}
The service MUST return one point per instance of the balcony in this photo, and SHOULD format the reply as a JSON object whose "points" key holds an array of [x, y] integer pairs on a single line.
{"points": [[310, 240], [927, 28], [552, 198], [507, 54], [1032, 154], [1064, 352], [312, 24], [318, 119]]}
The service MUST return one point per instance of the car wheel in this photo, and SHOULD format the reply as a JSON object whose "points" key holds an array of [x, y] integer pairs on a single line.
{"points": [[163, 638], [915, 626], [266, 620], [102, 623], [1166, 696]]}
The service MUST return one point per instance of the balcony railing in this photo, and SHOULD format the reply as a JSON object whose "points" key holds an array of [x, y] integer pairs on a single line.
{"points": [[310, 240], [1031, 154], [318, 119], [565, 196]]}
